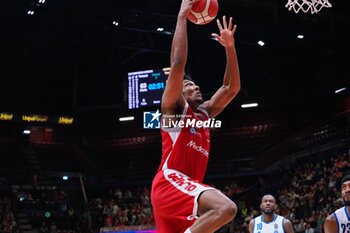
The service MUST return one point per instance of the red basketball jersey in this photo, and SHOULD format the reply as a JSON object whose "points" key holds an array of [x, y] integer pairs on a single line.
{"points": [[186, 148]]}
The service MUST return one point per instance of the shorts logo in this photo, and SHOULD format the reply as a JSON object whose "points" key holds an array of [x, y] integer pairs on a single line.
{"points": [[151, 120], [182, 182], [191, 217]]}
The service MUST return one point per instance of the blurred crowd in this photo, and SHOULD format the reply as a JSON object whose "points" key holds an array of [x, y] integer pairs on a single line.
{"points": [[123, 209], [305, 195], [7, 218]]}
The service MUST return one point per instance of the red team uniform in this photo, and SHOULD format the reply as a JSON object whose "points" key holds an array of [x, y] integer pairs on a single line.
{"points": [[178, 183]]}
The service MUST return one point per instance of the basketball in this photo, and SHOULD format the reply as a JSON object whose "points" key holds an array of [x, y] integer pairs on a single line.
{"points": [[204, 11]]}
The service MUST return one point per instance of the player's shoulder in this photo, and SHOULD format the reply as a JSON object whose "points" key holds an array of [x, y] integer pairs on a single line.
{"points": [[287, 225], [251, 222], [279, 218], [256, 219], [286, 221], [337, 213], [203, 108], [252, 225], [330, 224], [330, 218]]}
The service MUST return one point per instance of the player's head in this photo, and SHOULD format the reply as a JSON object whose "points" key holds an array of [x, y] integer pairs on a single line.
{"points": [[188, 77], [191, 91], [268, 204], [345, 189]]}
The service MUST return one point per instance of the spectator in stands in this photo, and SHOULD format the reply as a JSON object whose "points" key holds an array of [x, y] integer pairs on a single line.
{"points": [[44, 228], [300, 226], [320, 221], [7, 218], [35, 180], [309, 229], [118, 194], [53, 228], [145, 199], [251, 214], [332, 183], [128, 196]]}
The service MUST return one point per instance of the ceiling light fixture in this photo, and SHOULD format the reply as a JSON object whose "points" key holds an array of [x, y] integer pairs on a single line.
{"points": [[128, 118], [261, 43], [250, 105], [340, 90]]}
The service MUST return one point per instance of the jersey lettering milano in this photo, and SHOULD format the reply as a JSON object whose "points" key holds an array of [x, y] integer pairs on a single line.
{"points": [[186, 148]]}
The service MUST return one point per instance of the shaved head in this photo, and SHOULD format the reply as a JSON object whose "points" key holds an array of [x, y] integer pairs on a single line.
{"points": [[268, 204]]}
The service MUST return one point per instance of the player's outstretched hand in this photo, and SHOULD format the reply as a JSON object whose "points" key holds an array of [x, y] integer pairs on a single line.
{"points": [[225, 38], [186, 7]]}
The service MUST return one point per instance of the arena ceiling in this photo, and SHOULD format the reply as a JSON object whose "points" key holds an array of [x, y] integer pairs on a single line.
{"points": [[69, 56]]}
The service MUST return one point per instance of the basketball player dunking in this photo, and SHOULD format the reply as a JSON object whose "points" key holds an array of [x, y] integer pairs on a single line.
{"points": [[181, 202], [339, 221]]}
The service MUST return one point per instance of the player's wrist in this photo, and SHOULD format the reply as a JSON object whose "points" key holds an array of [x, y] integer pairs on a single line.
{"points": [[230, 46], [182, 15]]}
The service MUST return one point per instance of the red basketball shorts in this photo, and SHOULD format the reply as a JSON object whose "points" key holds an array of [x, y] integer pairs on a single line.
{"points": [[174, 199]]}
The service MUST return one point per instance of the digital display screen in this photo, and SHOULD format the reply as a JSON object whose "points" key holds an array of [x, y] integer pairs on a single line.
{"points": [[145, 88]]}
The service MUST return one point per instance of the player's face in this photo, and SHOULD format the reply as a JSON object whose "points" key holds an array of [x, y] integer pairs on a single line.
{"points": [[268, 204], [191, 91], [345, 192]]}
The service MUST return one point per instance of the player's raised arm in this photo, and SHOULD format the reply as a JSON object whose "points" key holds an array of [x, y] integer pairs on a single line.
{"points": [[231, 83], [172, 95]]}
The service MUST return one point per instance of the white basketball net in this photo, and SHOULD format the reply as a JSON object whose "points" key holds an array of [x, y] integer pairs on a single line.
{"points": [[313, 6]]}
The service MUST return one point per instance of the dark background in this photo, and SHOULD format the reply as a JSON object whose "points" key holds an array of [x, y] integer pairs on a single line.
{"points": [[69, 58]]}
